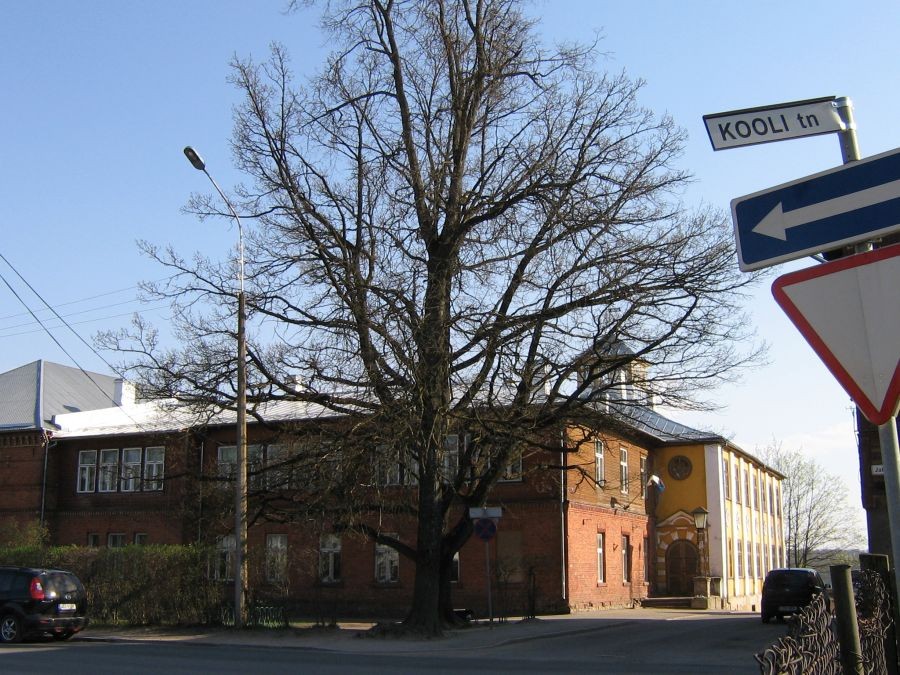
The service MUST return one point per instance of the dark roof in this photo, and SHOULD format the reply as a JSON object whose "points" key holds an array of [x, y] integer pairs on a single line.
{"points": [[32, 394], [662, 429]]}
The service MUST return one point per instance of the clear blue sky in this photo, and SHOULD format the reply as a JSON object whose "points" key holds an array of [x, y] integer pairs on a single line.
{"points": [[99, 97]]}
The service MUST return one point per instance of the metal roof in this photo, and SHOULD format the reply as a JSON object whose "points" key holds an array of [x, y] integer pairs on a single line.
{"points": [[32, 394]]}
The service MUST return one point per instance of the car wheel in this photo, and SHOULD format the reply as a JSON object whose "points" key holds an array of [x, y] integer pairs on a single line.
{"points": [[765, 618], [65, 635], [10, 628]]}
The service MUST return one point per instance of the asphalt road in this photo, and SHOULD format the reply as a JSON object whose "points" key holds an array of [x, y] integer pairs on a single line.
{"points": [[693, 643]]}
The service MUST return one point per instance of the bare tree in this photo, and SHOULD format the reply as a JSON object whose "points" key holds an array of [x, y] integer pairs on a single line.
{"points": [[455, 230], [814, 504]]}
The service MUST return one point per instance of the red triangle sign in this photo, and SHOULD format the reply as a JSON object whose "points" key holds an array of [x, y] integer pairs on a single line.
{"points": [[849, 312]]}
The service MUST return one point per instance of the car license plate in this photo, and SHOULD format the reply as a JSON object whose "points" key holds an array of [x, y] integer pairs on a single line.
{"points": [[67, 607], [787, 608]]}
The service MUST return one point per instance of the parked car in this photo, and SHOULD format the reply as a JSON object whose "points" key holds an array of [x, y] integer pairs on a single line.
{"points": [[36, 602], [789, 590]]}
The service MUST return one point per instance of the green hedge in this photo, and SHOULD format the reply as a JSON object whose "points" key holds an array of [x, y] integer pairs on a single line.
{"points": [[136, 585]]}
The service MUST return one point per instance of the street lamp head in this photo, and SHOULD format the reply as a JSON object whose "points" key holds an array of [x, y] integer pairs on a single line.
{"points": [[195, 159], [700, 515]]}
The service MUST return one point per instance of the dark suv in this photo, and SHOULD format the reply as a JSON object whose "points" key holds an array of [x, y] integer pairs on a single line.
{"points": [[37, 602], [789, 590]]}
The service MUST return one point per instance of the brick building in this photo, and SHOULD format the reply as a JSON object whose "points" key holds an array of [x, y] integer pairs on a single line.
{"points": [[585, 529]]}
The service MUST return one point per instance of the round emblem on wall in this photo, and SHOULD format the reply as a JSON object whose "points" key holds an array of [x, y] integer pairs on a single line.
{"points": [[680, 467]]}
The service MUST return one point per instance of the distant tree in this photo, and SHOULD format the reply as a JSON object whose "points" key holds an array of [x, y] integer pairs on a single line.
{"points": [[452, 229], [814, 504]]}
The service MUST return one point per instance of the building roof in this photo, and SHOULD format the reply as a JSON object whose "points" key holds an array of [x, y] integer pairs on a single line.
{"points": [[662, 429], [31, 395]]}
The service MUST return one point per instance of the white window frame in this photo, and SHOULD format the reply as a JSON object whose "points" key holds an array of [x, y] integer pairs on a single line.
{"points": [[329, 558], [141, 538], [115, 540], [450, 463], [623, 470], [626, 559], [644, 476], [224, 562], [599, 463], [154, 468], [601, 557], [108, 474], [387, 563], [226, 461], [276, 558], [131, 469], [512, 472], [87, 471]]}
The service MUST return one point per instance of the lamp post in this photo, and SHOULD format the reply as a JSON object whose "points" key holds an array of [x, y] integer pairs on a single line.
{"points": [[240, 491], [701, 517]]}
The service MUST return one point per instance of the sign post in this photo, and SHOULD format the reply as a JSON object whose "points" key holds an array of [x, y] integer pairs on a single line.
{"points": [[779, 122], [485, 527], [851, 203], [849, 312]]}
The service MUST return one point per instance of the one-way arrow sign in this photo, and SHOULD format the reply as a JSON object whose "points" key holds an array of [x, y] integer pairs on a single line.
{"points": [[850, 203], [849, 312]]}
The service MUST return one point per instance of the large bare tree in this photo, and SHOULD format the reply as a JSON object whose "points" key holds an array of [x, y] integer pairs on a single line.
{"points": [[452, 228], [814, 506]]}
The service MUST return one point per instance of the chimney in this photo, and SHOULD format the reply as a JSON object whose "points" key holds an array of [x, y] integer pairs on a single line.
{"points": [[124, 392]]}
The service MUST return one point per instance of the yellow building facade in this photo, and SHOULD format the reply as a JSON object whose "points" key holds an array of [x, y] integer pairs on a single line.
{"points": [[744, 536]]}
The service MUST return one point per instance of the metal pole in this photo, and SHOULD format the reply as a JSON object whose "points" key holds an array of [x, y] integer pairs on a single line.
{"points": [[845, 612], [487, 567], [240, 487], [849, 146], [890, 458]]}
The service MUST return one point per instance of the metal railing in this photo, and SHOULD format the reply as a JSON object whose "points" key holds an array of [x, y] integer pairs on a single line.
{"points": [[811, 645]]}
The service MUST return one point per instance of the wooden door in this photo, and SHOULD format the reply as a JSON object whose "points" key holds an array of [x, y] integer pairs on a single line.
{"points": [[681, 567]]}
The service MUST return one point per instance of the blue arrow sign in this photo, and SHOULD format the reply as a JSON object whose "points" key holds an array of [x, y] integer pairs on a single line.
{"points": [[848, 204]]}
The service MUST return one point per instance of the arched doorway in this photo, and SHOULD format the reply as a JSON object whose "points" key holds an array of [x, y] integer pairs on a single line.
{"points": [[681, 567]]}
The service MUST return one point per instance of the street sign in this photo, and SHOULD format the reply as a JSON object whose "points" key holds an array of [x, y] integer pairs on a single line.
{"points": [[850, 203], [485, 528], [849, 312], [779, 122]]}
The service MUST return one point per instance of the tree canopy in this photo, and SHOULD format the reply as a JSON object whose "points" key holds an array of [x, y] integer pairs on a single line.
{"points": [[453, 226]]}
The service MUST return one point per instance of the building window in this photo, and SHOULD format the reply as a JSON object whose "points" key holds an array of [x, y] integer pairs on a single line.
{"points": [[224, 565], [454, 569], [746, 499], [256, 467], [115, 540], [513, 469], [726, 479], [643, 477], [87, 470], [737, 483], [646, 560], [730, 559], [759, 564], [753, 493], [623, 470], [451, 457], [599, 464], [601, 558], [140, 538], [740, 560], [626, 558], [154, 468], [109, 470], [387, 563], [278, 467], [276, 558], [131, 469], [226, 461], [329, 558], [93, 539]]}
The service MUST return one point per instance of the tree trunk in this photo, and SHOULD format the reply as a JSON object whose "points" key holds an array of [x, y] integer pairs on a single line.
{"points": [[425, 612]]}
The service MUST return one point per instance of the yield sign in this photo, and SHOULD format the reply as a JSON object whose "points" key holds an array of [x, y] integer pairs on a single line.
{"points": [[849, 312]]}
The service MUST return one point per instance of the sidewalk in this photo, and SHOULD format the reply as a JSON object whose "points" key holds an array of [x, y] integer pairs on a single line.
{"points": [[351, 637]]}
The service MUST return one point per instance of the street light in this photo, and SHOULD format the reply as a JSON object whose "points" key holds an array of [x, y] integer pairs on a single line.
{"points": [[701, 517], [240, 491]]}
